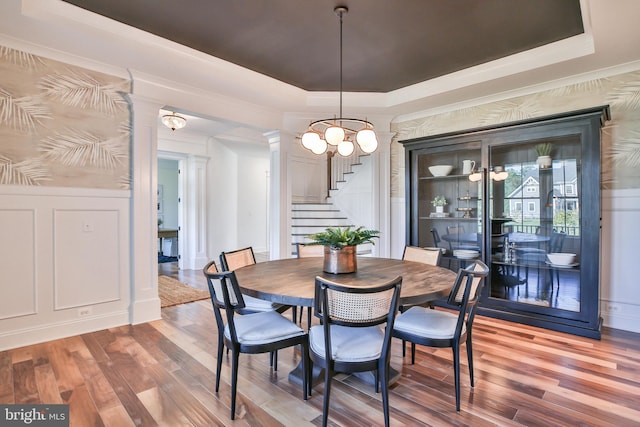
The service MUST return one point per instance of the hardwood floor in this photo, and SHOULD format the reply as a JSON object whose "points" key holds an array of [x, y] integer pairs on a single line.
{"points": [[162, 373]]}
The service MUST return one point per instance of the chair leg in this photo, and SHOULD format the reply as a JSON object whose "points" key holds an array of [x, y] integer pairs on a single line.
{"points": [[308, 318], [305, 370], [384, 369], [234, 381], [470, 358], [413, 353], [404, 348], [456, 373], [275, 360], [309, 373], [219, 361], [377, 379], [328, 374]]}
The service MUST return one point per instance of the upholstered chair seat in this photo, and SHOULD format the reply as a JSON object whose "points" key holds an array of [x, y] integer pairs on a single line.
{"points": [[264, 327], [348, 344], [432, 323]]}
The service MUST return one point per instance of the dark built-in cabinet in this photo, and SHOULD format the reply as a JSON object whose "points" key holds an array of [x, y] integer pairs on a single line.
{"points": [[511, 208]]}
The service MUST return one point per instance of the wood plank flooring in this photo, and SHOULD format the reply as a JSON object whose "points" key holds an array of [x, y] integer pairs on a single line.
{"points": [[163, 373]]}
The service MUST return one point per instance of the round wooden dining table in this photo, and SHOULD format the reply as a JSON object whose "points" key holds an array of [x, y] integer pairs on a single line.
{"points": [[292, 281]]}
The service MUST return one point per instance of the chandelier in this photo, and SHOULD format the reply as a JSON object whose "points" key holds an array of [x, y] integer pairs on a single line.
{"points": [[174, 121], [340, 132]]}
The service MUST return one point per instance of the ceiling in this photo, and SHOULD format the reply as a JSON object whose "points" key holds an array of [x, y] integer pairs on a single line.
{"points": [[387, 45]]}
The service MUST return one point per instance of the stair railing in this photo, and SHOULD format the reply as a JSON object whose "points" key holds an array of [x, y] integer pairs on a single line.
{"points": [[338, 166]]}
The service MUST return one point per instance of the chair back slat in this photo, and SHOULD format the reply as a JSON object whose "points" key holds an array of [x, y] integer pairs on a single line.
{"points": [[224, 289], [429, 256], [468, 282], [352, 308], [233, 260], [359, 307], [306, 251]]}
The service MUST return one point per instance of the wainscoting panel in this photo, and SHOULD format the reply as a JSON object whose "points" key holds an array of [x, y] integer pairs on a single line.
{"points": [[17, 258], [65, 260], [86, 258], [620, 299]]}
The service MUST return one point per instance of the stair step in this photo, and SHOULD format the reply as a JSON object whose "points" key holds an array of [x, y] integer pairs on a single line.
{"points": [[316, 214], [328, 222]]}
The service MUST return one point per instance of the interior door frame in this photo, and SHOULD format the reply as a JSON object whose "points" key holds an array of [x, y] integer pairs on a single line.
{"points": [[182, 190]]}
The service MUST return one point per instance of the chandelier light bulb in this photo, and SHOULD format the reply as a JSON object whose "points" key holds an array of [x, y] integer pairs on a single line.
{"points": [[334, 135], [319, 147], [310, 140], [367, 140], [345, 148]]}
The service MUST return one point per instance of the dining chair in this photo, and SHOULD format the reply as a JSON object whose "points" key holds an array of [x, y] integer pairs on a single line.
{"points": [[231, 261], [259, 332], [437, 243], [539, 255], [459, 229], [455, 229], [444, 328], [307, 251], [430, 256], [350, 337]]}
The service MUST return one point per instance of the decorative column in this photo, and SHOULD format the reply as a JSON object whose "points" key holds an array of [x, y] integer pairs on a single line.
{"points": [[279, 197], [145, 303], [382, 193]]}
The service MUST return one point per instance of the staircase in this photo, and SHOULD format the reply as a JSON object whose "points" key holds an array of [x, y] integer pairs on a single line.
{"points": [[310, 218]]}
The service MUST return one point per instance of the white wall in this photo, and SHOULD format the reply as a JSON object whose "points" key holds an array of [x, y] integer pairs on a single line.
{"points": [[237, 207], [253, 180]]}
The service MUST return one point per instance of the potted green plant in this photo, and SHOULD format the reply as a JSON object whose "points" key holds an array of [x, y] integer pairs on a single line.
{"points": [[544, 154], [340, 246], [439, 202]]}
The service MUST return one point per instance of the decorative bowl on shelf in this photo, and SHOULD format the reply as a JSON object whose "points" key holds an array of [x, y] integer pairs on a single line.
{"points": [[558, 258], [440, 170]]}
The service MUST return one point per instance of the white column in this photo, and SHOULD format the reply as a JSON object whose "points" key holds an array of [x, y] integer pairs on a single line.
{"points": [[145, 304], [279, 196], [381, 203]]}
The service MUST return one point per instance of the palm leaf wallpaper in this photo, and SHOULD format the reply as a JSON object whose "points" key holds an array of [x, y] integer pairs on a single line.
{"points": [[620, 136], [62, 125]]}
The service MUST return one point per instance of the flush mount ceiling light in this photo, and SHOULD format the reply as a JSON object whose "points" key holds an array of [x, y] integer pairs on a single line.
{"points": [[174, 121], [340, 132]]}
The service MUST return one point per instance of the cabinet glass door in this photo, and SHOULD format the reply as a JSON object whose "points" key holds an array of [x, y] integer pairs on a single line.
{"points": [[448, 205], [535, 217]]}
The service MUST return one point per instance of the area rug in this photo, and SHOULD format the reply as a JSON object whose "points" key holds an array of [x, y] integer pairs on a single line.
{"points": [[174, 292]]}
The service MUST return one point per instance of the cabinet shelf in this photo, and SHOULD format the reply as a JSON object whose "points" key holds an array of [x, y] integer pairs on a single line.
{"points": [[449, 218], [446, 177]]}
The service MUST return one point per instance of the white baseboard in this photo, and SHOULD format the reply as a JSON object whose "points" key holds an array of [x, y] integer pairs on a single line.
{"points": [[52, 331], [145, 311], [618, 315]]}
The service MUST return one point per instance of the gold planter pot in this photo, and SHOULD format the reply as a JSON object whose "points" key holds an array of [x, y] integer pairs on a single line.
{"points": [[338, 261]]}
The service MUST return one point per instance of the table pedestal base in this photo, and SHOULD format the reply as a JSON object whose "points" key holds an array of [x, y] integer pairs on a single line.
{"points": [[317, 376]]}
